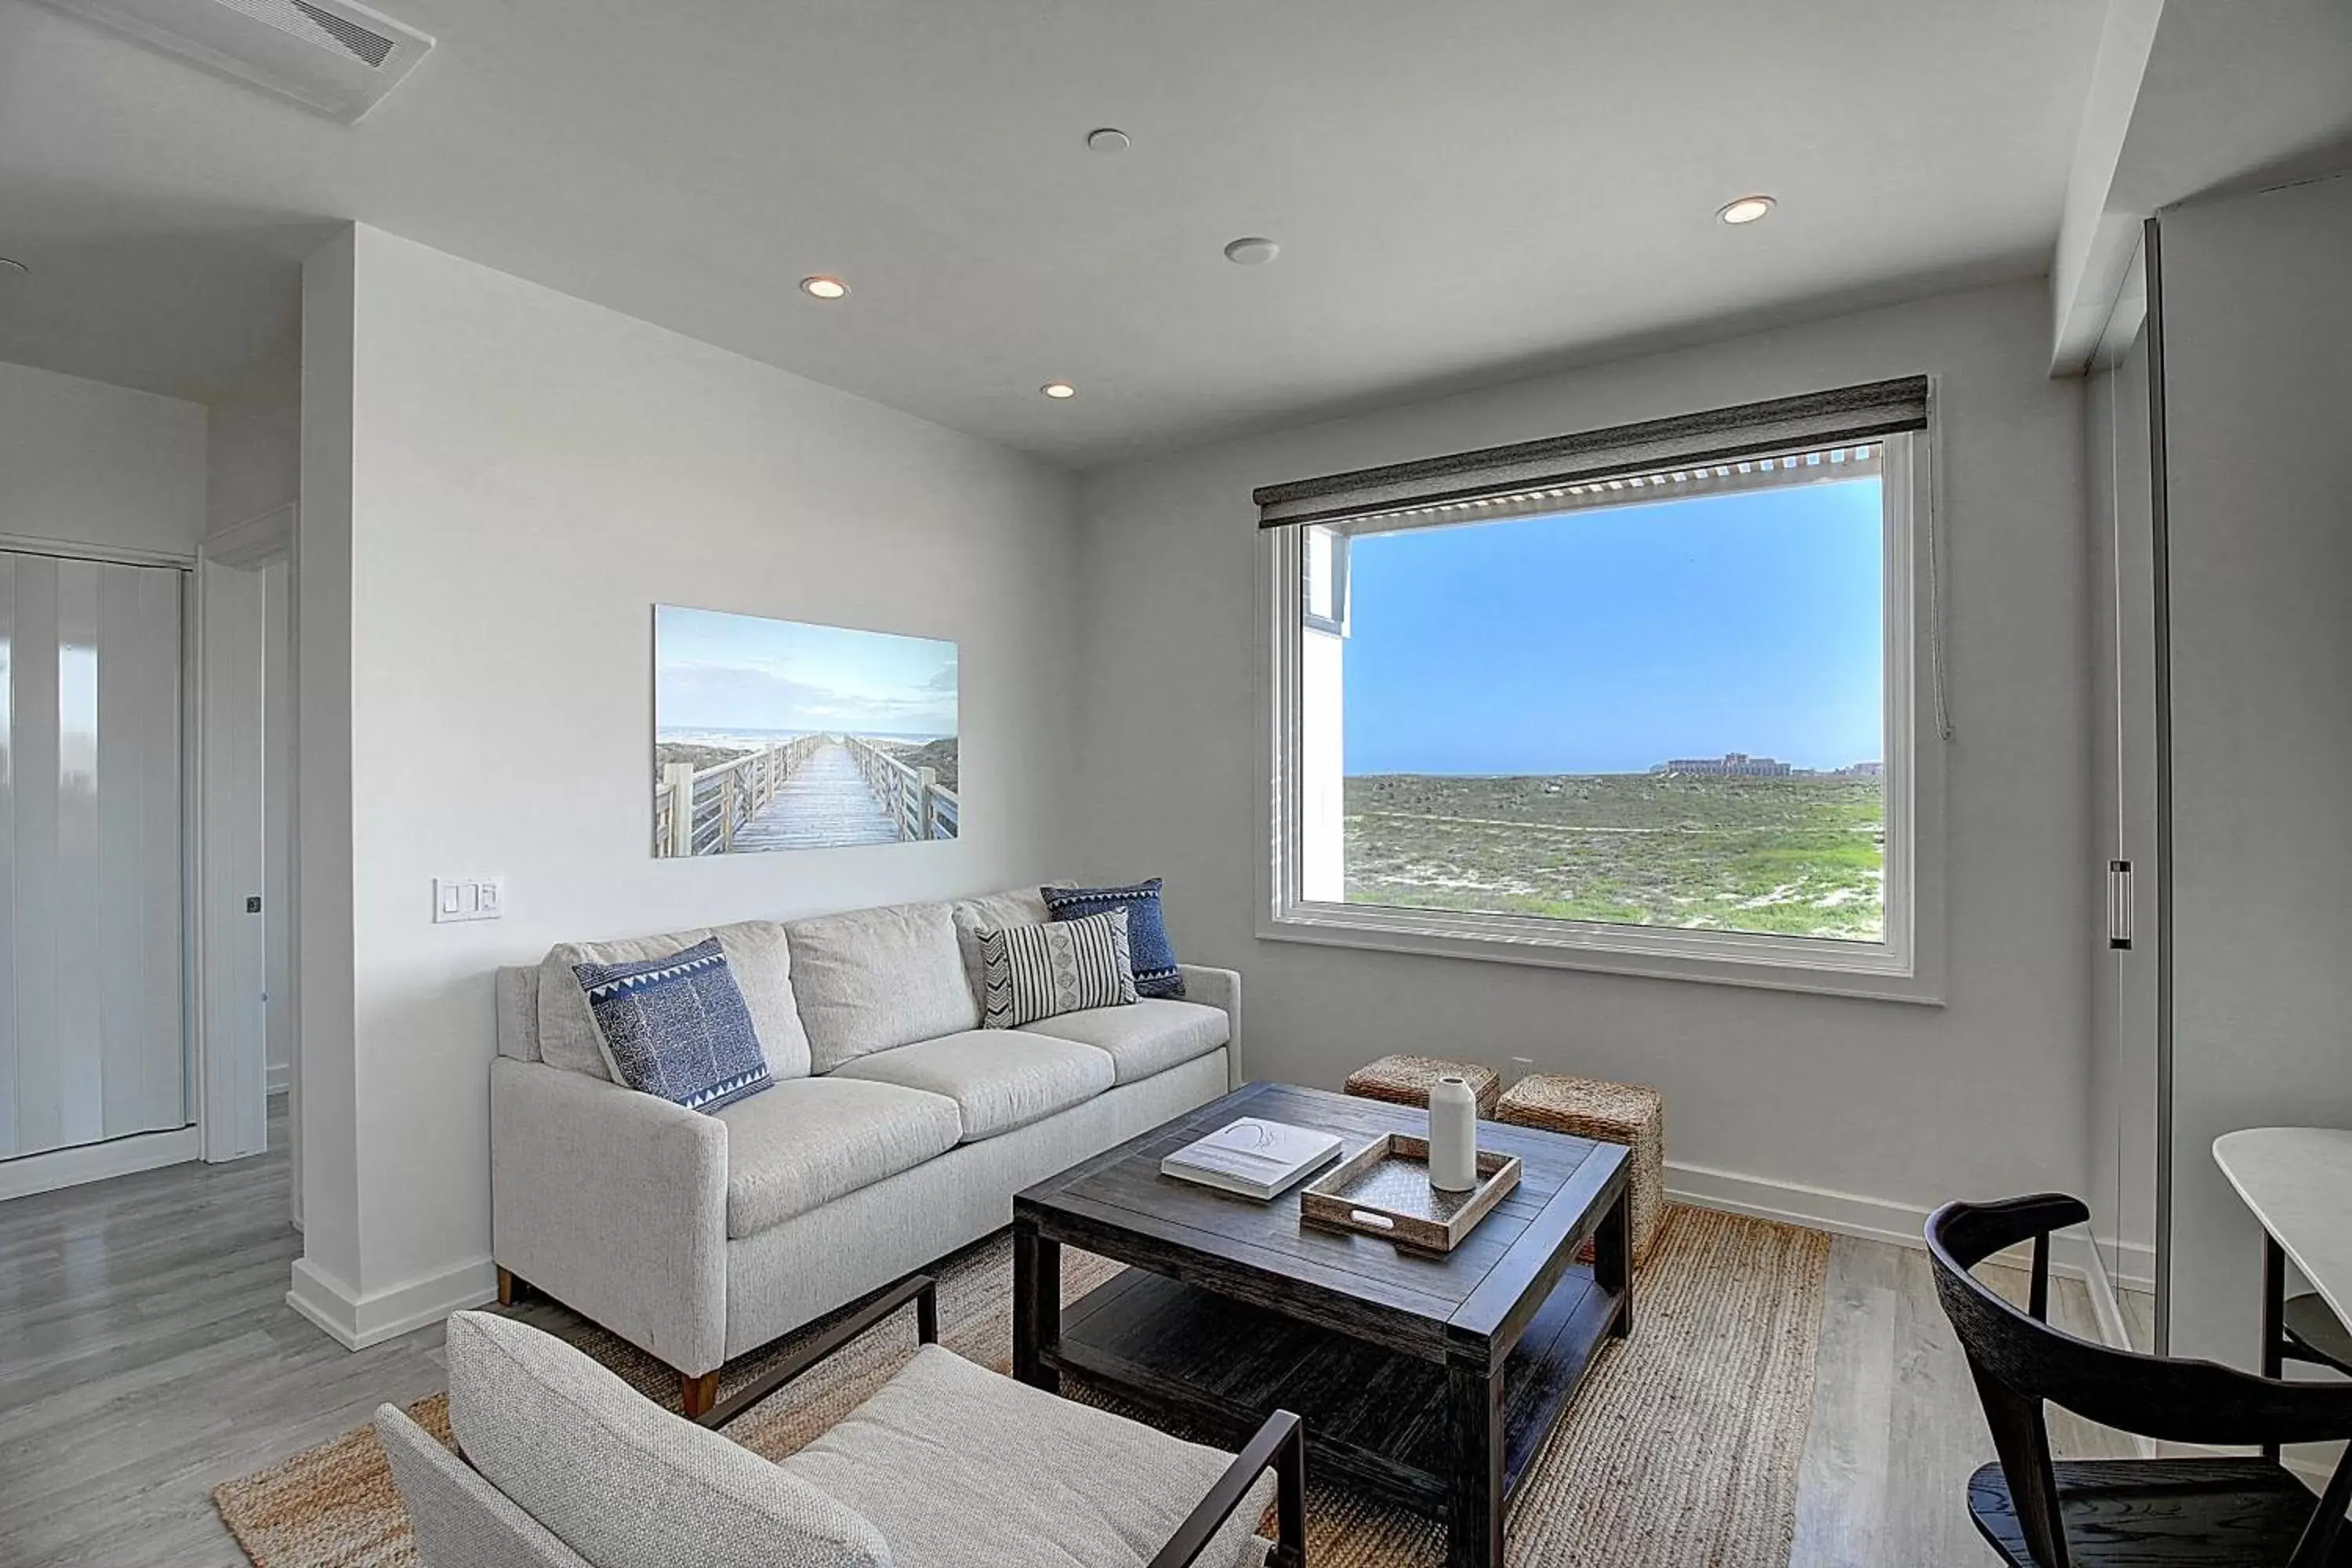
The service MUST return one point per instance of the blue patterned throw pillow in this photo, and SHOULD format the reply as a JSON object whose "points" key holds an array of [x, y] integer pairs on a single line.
{"points": [[1156, 974], [677, 1026]]}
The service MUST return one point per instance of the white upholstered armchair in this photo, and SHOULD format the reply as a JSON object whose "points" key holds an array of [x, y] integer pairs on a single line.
{"points": [[561, 1464]]}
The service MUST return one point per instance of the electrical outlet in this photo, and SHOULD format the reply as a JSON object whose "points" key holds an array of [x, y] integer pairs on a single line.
{"points": [[1521, 1067], [468, 898]]}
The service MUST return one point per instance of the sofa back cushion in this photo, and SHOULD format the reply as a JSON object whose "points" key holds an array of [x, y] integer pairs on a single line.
{"points": [[756, 955], [871, 979], [993, 911], [622, 1481], [518, 994]]}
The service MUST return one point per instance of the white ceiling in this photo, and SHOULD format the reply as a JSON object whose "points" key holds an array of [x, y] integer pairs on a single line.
{"points": [[2190, 99], [1463, 191]]}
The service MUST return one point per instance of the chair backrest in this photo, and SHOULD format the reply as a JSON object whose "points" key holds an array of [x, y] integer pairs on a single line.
{"points": [[459, 1519], [618, 1478], [2019, 1362]]}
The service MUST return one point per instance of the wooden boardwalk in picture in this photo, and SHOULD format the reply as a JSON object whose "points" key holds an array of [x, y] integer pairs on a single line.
{"points": [[825, 801], [814, 791]]}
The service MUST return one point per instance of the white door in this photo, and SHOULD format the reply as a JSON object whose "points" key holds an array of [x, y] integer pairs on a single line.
{"points": [[92, 1030]]}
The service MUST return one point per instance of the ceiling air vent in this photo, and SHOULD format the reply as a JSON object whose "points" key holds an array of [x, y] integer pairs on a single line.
{"points": [[327, 54]]}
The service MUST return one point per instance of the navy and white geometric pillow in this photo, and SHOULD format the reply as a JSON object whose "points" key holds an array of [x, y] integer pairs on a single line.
{"points": [[1156, 974], [677, 1026], [1033, 971]]}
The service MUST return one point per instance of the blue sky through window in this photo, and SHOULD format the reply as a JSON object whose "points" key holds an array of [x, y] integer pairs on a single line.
{"points": [[1607, 641]]}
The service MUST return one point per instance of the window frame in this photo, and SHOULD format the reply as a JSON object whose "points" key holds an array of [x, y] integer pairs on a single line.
{"points": [[1906, 966]]}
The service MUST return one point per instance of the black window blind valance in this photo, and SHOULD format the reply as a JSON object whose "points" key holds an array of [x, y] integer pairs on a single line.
{"points": [[1818, 419]]}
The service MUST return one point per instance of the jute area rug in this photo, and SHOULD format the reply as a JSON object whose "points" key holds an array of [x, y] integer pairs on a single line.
{"points": [[1681, 1451]]}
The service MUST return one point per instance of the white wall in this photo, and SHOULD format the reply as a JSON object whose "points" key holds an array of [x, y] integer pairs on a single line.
{"points": [[1807, 1104], [253, 436], [2257, 337], [326, 1275], [278, 818], [528, 476], [86, 463], [253, 449]]}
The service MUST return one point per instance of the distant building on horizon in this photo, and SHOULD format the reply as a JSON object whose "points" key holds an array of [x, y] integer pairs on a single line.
{"points": [[1731, 765], [1863, 770]]}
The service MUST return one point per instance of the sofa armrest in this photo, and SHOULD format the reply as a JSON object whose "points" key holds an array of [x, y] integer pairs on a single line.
{"points": [[1220, 988], [614, 1203]]}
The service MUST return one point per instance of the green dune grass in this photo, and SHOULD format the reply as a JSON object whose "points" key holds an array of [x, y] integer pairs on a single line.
{"points": [[1789, 857]]}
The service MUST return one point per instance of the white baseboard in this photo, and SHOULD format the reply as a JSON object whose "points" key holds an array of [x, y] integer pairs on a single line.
{"points": [[2114, 1331], [277, 1077], [45, 1172], [2134, 1266], [355, 1323], [1842, 1213]]}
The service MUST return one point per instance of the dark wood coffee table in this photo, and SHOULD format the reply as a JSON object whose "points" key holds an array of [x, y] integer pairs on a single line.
{"points": [[1429, 1381]]}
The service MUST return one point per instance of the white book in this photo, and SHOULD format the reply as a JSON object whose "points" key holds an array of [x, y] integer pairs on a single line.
{"points": [[1256, 1159]]}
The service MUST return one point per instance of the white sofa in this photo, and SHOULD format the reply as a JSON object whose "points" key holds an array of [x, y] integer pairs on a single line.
{"points": [[896, 1130]]}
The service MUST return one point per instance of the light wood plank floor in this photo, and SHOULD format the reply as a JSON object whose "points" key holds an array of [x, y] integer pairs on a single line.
{"points": [[147, 1354]]}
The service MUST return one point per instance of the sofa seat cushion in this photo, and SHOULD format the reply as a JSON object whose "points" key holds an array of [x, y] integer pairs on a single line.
{"points": [[622, 1481], [999, 1078], [808, 1141], [1145, 1037], [868, 980], [958, 1466]]}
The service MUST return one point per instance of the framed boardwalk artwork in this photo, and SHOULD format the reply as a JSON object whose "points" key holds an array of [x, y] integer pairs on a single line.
{"points": [[784, 735]]}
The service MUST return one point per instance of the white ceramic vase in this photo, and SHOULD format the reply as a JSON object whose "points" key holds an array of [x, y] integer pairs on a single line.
{"points": [[1452, 1135]]}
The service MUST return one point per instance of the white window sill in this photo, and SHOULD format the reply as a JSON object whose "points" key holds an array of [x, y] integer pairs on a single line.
{"points": [[1863, 970]]}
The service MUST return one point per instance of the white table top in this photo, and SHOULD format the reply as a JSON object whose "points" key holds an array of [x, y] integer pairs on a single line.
{"points": [[2299, 1182]]}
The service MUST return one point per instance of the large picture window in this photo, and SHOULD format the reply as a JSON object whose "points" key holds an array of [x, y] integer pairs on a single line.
{"points": [[1664, 717]]}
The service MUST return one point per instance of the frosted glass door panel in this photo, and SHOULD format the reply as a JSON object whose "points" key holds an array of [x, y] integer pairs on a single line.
{"points": [[92, 1040]]}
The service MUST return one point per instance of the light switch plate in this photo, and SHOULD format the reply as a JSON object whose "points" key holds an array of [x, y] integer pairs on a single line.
{"points": [[468, 898]]}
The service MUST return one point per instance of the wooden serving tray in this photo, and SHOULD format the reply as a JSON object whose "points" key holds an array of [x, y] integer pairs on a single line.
{"points": [[1385, 1190]]}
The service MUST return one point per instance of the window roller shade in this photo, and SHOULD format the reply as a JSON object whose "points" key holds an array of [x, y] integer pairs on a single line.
{"points": [[1820, 419]]}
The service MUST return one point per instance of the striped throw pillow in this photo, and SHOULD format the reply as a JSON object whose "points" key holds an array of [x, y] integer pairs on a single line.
{"points": [[1033, 972]]}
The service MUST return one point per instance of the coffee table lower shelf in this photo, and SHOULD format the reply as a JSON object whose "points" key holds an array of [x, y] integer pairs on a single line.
{"points": [[1376, 1420]]}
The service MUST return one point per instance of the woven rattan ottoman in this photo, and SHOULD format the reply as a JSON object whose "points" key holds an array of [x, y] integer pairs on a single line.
{"points": [[1405, 1080], [1629, 1113]]}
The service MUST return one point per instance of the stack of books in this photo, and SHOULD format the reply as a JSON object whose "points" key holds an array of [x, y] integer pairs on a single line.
{"points": [[1256, 1159]]}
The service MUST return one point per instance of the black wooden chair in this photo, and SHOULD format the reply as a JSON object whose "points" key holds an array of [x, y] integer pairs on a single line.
{"points": [[2145, 1512]]}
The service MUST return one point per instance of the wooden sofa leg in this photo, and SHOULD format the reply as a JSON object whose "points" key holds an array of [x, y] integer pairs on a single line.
{"points": [[510, 1289], [697, 1393]]}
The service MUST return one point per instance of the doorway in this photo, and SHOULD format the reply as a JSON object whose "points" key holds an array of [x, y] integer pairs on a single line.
{"points": [[246, 1051]]}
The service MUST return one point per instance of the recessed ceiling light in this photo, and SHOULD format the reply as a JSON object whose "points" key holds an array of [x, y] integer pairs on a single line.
{"points": [[1252, 250], [1747, 209], [822, 287], [1108, 139], [10, 264], [1058, 389]]}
